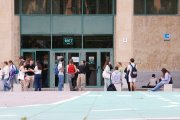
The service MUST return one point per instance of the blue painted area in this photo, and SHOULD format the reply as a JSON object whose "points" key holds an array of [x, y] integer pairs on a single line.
{"points": [[104, 105], [167, 36]]}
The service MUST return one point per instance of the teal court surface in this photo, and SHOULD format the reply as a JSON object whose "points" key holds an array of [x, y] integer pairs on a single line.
{"points": [[101, 106]]}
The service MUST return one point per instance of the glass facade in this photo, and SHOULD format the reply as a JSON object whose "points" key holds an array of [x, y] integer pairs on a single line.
{"points": [[157, 7], [36, 6], [65, 7], [38, 42], [98, 41]]}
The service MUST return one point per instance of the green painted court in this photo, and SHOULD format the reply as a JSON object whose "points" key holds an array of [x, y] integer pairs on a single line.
{"points": [[102, 106]]}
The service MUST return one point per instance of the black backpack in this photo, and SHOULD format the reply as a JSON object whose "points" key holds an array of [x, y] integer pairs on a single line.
{"points": [[133, 71]]}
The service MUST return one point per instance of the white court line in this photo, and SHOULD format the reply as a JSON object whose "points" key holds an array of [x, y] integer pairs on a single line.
{"points": [[110, 110], [94, 95], [8, 115], [174, 103], [170, 106], [166, 118], [55, 103], [124, 95]]}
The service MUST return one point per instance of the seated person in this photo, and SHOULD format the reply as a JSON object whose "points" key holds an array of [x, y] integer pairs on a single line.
{"points": [[165, 79], [152, 82], [116, 78]]}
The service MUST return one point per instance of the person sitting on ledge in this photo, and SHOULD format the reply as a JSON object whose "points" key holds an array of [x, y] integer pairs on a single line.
{"points": [[152, 82], [165, 79]]}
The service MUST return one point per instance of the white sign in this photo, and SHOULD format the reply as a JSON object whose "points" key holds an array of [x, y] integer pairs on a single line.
{"points": [[75, 59]]}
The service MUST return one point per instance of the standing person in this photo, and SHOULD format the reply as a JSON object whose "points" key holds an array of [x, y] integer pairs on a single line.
{"points": [[1, 80], [6, 71], [88, 72], [132, 68], [12, 74], [127, 78], [38, 76], [71, 70], [81, 80], [21, 75], [30, 74], [61, 74], [106, 74], [21, 60], [165, 79], [120, 68], [117, 79]]}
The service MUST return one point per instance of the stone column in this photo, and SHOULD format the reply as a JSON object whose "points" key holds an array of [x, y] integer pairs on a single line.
{"points": [[124, 31], [9, 32]]}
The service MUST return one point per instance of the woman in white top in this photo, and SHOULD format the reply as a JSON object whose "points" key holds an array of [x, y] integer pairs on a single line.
{"points": [[21, 75], [106, 75], [6, 71], [165, 79], [38, 76]]}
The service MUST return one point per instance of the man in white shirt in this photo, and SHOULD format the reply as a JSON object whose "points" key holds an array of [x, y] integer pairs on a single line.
{"points": [[132, 79]]}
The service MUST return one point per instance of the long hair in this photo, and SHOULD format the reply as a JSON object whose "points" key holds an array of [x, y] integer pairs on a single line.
{"points": [[164, 71], [106, 63]]}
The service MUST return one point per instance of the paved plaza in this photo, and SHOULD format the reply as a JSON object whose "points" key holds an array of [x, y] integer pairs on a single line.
{"points": [[90, 105]]}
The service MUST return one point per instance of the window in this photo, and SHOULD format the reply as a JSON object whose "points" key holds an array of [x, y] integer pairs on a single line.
{"points": [[156, 7], [68, 41], [67, 7], [139, 6], [36, 6], [97, 6], [16, 7], [161, 6], [104, 41], [36, 42]]}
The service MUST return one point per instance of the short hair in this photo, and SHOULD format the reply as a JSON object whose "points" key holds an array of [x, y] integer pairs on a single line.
{"points": [[62, 59], [132, 60], [21, 57], [153, 75], [116, 68], [10, 61]]}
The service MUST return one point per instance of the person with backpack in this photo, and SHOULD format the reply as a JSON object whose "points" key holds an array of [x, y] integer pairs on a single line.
{"points": [[165, 79], [12, 74], [61, 74], [132, 68], [71, 70], [117, 79], [6, 80]]}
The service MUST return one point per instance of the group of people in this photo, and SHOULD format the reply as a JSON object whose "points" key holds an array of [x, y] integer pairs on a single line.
{"points": [[72, 70], [115, 77], [27, 74]]}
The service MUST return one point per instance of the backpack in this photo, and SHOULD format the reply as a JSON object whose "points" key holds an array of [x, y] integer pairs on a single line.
{"points": [[56, 71], [133, 71], [71, 69], [15, 69], [116, 77]]}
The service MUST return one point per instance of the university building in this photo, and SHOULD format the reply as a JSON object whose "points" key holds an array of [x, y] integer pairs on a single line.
{"points": [[93, 30]]}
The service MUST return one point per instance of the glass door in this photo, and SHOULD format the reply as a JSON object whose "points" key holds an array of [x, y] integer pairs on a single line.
{"points": [[92, 70]]}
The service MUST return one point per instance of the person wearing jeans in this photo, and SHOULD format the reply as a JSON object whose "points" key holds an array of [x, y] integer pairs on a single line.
{"points": [[37, 76], [61, 74], [165, 79]]}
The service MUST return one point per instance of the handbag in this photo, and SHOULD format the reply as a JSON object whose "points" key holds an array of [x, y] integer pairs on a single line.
{"points": [[106, 75], [111, 87]]}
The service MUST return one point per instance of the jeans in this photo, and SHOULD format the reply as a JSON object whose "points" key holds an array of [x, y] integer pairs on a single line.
{"points": [[106, 83], [158, 86], [37, 81], [70, 76], [61, 81], [7, 86]]}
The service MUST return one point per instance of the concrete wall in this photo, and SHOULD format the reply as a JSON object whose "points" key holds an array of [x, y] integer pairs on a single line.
{"points": [[9, 32], [124, 31]]}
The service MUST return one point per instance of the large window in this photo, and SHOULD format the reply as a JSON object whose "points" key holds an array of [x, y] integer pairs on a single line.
{"points": [[98, 6], [36, 6], [36, 42], [104, 41], [16, 6], [156, 7], [68, 41], [67, 7]]}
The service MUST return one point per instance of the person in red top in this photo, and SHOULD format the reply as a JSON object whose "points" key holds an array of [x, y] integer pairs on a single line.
{"points": [[71, 70]]}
